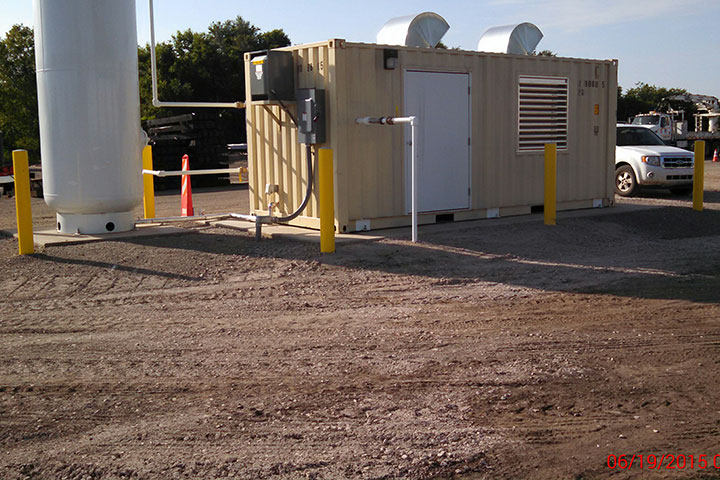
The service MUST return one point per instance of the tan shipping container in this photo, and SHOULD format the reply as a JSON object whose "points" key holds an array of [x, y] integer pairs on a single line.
{"points": [[513, 103]]}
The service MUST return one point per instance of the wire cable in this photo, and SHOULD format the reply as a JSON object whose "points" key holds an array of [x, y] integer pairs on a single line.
{"points": [[282, 105], [308, 192]]}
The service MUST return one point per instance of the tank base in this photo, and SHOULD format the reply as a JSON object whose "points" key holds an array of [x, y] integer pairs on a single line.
{"points": [[89, 224]]}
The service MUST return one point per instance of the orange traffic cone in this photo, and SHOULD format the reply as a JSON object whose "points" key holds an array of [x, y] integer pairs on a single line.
{"points": [[186, 206], [715, 156]]}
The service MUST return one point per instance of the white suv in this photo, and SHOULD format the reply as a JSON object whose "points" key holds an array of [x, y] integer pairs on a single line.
{"points": [[643, 159]]}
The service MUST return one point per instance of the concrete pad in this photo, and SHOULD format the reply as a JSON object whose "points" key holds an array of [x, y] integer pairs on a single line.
{"points": [[293, 233], [46, 238], [403, 233]]}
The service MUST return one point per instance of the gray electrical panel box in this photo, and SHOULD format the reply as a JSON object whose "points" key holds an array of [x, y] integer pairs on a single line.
{"points": [[272, 76], [311, 115]]}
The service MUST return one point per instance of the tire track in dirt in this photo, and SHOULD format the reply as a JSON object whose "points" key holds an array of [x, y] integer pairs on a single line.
{"points": [[191, 360]]}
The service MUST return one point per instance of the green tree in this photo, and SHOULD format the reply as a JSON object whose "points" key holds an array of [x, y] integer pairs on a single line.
{"points": [[18, 92], [643, 98], [207, 66]]}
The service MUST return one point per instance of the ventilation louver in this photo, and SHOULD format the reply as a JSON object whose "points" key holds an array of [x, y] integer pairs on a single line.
{"points": [[542, 112]]}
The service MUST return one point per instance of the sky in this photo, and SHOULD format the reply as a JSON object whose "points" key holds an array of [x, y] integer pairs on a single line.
{"points": [[667, 43]]}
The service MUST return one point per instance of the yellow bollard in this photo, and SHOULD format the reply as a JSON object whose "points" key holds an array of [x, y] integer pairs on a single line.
{"points": [[148, 183], [550, 184], [699, 176], [23, 210], [326, 196]]}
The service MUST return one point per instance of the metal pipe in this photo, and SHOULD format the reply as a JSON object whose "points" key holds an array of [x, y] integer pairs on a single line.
{"points": [[179, 173], [240, 216], [258, 220], [258, 229], [153, 67], [414, 173], [384, 120], [237, 216], [414, 122], [183, 219]]}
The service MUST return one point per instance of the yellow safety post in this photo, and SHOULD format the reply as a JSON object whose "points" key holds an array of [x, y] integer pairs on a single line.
{"points": [[699, 176], [550, 184], [326, 193], [148, 183], [23, 209]]}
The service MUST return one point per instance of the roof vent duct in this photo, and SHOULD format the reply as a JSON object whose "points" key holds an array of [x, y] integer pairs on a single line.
{"points": [[423, 30], [519, 39]]}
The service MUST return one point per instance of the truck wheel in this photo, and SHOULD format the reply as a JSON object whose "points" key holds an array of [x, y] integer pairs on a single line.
{"points": [[625, 182]]}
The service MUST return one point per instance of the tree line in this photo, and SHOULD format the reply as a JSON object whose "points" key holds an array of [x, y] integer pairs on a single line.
{"points": [[644, 98], [192, 66]]}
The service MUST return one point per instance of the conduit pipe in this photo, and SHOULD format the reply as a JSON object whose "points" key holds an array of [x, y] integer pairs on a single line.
{"points": [[413, 121], [181, 173], [258, 220], [153, 66], [212, 216]]}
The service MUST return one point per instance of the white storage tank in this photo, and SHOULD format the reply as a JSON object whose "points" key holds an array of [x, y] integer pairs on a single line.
{"points": [[89, 107]]}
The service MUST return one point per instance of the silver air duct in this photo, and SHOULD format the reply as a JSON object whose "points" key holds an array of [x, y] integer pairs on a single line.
{"points": [[519, 39], [423, 30]]}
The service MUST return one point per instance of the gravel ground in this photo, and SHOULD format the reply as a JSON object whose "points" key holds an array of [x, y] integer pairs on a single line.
{"points": [[492, 349]]}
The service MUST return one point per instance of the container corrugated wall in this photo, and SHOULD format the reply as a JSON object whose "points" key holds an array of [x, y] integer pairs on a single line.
{"points": [[275, 156], [369, 160]]}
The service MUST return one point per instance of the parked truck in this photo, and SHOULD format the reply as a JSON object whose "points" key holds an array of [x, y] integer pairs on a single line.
{"points": [[672, 127]]}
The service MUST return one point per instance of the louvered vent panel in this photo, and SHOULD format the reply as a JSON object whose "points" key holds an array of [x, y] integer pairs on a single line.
{"points": [[542, 113]]}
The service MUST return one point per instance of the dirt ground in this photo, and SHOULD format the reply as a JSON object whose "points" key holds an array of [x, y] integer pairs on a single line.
{"points": [[492, 349]]}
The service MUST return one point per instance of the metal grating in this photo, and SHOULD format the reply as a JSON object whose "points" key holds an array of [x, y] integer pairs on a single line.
{"points": [[542, 112]]}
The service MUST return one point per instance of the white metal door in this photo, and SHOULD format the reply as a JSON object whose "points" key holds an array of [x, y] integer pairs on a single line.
{"points": [[442, 103]]}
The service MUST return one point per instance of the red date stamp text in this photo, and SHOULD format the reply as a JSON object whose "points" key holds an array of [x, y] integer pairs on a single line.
{"points": [[666, 461]]}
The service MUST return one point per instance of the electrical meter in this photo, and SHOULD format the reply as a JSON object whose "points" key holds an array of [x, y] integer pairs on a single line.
{"points": [[311, 115], [272, 76]]}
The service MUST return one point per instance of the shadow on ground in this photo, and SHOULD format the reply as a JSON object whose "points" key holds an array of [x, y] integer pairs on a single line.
{"points": [[710, 196], [663, 253]]}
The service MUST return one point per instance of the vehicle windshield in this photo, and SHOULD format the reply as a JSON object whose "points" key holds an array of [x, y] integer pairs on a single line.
{"points": [[646, 120], [636, 136]]}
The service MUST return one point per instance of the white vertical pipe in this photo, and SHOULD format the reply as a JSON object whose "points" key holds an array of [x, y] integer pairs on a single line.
{"points": [[413, 153], [153, 62], [153, 68], [414, 122]]}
